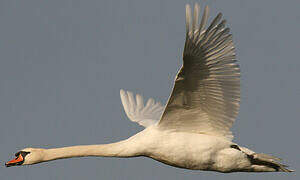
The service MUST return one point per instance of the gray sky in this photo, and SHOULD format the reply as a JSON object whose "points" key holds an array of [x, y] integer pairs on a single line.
{"points": [[63, 63]]}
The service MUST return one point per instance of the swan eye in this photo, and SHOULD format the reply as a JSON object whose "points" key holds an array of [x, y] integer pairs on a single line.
{"points": [[23, 154], [17, 154]]}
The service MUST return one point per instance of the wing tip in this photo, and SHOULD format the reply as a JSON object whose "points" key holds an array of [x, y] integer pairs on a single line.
{"points": [[188, 17]]}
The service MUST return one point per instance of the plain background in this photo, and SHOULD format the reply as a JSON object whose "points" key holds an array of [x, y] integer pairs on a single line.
{"points": [[63, 63]]}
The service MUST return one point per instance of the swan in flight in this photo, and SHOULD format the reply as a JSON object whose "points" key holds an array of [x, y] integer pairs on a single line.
{"points": [[192, 130]]}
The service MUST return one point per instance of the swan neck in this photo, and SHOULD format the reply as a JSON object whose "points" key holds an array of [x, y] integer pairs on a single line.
{"points": [[118, 149]]}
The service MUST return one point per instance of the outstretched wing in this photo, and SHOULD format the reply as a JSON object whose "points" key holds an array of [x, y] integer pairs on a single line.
{"points": [[205, 97], [136, 111]]}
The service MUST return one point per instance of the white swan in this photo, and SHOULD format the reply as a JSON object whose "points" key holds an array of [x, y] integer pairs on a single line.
{"points": [[193, 130]]}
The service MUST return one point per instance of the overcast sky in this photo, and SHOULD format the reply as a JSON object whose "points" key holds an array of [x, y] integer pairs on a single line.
{"points": [[63, 62]]}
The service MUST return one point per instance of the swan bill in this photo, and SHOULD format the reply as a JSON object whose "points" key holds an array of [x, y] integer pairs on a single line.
{"points": [[19, 160]]}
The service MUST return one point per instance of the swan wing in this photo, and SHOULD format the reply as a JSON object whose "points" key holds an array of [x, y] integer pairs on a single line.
{"points": [[136, 111], [206, 94]]}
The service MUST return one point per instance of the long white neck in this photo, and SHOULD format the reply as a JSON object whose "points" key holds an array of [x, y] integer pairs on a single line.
{"points": [[124, 148]]}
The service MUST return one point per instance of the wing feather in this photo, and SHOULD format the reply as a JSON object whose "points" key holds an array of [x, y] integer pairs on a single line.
{"points": [[136, 111], [206, 94]]}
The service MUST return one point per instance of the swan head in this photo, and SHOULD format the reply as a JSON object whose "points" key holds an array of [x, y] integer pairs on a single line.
{"points": [[26, 156]]}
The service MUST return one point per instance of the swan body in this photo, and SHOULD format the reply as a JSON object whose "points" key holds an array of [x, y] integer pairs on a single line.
{"points": [[192, 130], [180, 149], [185, 150]]}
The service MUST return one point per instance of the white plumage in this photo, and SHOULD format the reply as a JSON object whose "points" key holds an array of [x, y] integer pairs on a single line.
{"points": [[205, 98], [145, 115], [192, 130]]}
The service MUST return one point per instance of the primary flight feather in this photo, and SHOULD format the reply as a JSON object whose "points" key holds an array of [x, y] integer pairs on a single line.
{"points": [[205, 98]]}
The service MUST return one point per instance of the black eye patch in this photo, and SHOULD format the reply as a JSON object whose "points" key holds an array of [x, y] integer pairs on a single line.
{"points": [[17, 154], [24, 153]]}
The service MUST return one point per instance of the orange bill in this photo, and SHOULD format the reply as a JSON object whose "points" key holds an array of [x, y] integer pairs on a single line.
{"points": [[17, 161]]}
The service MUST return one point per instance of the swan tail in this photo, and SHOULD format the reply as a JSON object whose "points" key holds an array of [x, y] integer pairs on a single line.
{"points": [[264, 162]]}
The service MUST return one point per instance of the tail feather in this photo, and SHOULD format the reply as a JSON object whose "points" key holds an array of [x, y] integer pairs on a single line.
{"points": [[269, 161], [267, 156]]}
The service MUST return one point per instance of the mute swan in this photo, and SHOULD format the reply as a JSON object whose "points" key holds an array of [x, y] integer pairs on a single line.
{"points": [[192, 130]]}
